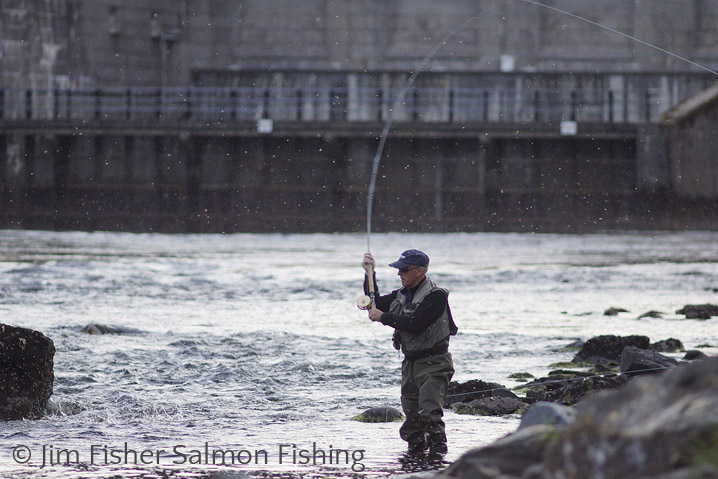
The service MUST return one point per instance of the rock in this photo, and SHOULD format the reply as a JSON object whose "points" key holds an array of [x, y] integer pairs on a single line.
{"points": [[574, 346], [475, 389], [568, 387], [656, 425], [94, 328], [491, 406], [694, 355], [667, 346], [634, 360], [521, 376], [379, 414], [607, 349], [26, 372], [547, 413], [701, 471], [699, 311], [614, 311], [651, 314], [511, 455]]}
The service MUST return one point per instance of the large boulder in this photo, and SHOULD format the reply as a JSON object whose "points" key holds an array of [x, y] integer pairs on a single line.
{"points": [[26, 372], [655, 425], [606, 350], [511, 456]]}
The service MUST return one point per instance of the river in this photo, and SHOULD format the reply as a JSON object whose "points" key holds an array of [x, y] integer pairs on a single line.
{"points": [[253, 343]]}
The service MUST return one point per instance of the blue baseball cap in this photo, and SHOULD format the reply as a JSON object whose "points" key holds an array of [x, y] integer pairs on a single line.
{"points": [[411, 257]]}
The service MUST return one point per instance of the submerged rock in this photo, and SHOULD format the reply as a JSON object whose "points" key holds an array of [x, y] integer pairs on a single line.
{"points": [[699, 311], [634, 360], [26, 372], [614, 311], [606, 350], [651, 314], [379, 414], [94, 328]]}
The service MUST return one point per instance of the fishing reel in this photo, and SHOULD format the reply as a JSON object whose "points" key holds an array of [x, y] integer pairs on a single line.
{"points": [[364, 302]]}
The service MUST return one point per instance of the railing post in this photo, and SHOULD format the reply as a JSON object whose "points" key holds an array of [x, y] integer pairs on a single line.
{"points": [[28, 104], [299, 105], [128, 104], [158, 111], [98, 104], [451, 105], [188, 104], [233, 104]]}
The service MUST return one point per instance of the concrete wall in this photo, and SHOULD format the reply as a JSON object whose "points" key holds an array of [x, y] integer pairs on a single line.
{"points": [[135, 42]]}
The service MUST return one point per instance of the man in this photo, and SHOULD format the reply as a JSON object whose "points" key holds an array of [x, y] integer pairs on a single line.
{"points": [[420, 315]]}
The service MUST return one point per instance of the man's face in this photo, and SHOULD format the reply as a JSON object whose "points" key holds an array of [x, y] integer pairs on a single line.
{"points": [[411, 276]]}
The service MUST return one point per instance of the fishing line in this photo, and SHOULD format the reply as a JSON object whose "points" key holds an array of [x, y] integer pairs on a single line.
{"points": [[613, 30], [582, 378], [410, 81], [390, 120]]}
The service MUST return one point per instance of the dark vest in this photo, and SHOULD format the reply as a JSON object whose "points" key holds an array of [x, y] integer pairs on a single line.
{"points": [[433, 337]]}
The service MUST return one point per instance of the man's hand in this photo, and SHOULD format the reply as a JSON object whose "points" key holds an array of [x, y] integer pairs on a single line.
{"points": [[375, 314], [368, 262]]}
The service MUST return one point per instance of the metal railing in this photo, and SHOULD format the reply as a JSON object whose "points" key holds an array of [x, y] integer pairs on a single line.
{"points": [[430, 105]]}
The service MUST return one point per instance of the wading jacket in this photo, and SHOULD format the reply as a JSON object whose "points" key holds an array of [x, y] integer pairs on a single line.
{"points": [[421, 318]]}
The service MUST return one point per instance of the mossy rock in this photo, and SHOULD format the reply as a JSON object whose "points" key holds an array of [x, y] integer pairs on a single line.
{"points": [[379, 414]]}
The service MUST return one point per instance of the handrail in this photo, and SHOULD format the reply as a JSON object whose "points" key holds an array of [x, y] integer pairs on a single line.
{"points": [[421, 104]]}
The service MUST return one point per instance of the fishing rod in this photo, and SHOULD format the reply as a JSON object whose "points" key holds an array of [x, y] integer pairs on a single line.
{"points": [[366, 301], [422, 66]]}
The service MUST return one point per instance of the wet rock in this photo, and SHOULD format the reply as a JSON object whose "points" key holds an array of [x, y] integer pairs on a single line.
{"points": [[568, 387], [94, 328], [694, 355], [521, 376], [699, 311], [656, 425], [574, 346], [614, 311], [379, 414], [634, 360], [669, 345], [606, 350], [26, 372], [548, 414], [475, 389], [651, 314], [491, 406], [511, 456]]}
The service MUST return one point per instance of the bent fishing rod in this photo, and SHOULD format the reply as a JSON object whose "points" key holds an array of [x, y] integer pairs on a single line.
{"points": [[367, 301]]}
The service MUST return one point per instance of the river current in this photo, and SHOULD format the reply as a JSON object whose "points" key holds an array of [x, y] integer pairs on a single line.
{"points": [[253, 343]]}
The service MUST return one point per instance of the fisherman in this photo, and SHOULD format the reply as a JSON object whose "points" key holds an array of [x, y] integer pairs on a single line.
{"points": [[420, 315]]}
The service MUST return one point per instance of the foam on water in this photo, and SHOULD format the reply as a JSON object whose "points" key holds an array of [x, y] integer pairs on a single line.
{"points": [[254, 341]]}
